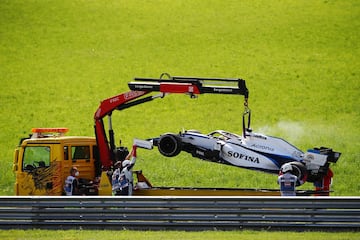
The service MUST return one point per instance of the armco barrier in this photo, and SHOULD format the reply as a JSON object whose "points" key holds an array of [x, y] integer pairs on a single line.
{"points": [[181, 213]]}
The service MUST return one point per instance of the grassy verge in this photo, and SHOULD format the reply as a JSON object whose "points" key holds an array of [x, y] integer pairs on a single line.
{"points": [[149, 235]]}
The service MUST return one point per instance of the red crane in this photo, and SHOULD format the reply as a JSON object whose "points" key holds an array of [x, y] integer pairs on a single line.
{"points": [[192, 86]]}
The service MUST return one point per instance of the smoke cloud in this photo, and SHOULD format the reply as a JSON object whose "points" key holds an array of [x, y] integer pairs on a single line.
{"points": [[291, 131]]}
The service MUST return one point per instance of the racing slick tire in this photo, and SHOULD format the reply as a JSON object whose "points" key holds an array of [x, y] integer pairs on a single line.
{"points": [[169, 145], [299, 170]]}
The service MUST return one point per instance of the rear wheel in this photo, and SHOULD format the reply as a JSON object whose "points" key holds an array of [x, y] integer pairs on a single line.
{"points": [[299, 170], [169, 145]]}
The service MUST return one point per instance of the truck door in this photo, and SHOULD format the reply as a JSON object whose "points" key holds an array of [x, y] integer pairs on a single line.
{"points": [[82, 157], [36, 173]]}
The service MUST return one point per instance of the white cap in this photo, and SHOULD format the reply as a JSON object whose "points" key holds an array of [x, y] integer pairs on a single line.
{"points": [[125, 163], [286, 168]]}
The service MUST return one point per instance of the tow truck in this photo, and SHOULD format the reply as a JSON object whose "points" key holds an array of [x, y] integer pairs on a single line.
{"points": [[43, 160]]}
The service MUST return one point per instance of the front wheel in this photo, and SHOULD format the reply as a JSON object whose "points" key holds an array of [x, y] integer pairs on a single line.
{"points": [[169, 145]]}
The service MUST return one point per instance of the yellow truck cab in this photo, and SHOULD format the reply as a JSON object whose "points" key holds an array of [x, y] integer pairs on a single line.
{"points": [[43, 161]]}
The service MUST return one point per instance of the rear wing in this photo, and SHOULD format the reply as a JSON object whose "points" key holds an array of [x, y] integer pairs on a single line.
{"points": [[191, 85]]}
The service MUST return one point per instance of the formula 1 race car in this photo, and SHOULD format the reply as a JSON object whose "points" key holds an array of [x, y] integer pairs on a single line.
{"points": [[251, 150]]}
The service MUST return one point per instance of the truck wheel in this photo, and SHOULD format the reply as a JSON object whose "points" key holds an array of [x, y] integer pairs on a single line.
{"points": [[299, 170], [169, 145]]}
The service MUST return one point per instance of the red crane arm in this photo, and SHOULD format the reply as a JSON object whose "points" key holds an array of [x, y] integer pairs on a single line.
{"points": [[106, 108], [188, 85]]}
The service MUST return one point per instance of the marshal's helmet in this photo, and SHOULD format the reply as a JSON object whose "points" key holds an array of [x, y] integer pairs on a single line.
{"points": [[125, 163], [286, 168]]}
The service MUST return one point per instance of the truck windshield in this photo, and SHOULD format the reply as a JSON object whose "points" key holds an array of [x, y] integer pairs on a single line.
{"points": [[36, 156]]}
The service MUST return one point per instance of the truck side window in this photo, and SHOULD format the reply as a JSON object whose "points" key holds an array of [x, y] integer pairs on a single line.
{"points": [[80, 152], [66, 153], [35, 157]]}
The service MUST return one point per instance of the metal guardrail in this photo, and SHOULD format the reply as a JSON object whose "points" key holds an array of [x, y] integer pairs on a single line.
{"points": [[181, 213]]}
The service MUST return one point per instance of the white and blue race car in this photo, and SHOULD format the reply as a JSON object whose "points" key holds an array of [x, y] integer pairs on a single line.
{"points": [[250, 150]]}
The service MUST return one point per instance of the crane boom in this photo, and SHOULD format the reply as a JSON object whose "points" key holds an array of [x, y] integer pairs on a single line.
{"points": [[191, 85]]}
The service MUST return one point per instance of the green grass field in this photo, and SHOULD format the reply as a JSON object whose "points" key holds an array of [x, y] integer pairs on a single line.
{"points": [[300, 60], [59, 59]]}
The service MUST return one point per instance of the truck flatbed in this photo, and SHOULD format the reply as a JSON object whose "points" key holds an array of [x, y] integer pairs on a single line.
{"points": [[189, 191]]}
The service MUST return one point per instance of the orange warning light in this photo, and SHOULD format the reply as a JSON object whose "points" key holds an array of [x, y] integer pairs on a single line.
{"points": [[49, 130]]}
